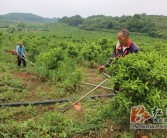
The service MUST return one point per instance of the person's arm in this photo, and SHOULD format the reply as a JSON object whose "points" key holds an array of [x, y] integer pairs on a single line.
{"points": [[24, 52], [111, 59], [17, 51], [101, 68], [137, 50]]}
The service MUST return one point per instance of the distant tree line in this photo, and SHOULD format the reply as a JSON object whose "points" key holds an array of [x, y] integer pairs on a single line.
{"points": [[137, 23]]}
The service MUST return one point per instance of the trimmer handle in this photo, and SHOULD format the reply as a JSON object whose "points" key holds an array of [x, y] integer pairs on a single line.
{"points": [[107, 76]]}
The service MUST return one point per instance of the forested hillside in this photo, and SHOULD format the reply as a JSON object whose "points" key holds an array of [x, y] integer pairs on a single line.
{"points": [[24, 21], [26, 17], [153, 25]]}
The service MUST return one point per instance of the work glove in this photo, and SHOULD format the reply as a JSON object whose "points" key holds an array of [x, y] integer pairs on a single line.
{"points": [[101, 69]]}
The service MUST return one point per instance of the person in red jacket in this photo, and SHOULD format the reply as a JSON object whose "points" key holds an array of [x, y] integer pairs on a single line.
{"points": [[124, 47]]}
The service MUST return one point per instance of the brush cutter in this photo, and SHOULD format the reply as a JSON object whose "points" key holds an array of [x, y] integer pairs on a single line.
{"points": [[29, 62], [25, 59], [77, 102]]}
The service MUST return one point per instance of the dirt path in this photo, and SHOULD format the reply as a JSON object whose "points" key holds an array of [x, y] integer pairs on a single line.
{"points": [[37, 89], [31, 81], [92, 76]]}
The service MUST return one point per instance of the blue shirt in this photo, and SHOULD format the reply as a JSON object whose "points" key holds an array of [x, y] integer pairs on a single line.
{"points": [[21, 50]]}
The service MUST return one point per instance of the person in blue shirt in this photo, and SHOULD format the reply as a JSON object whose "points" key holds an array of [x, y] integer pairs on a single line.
{"points": [[21, 54]]}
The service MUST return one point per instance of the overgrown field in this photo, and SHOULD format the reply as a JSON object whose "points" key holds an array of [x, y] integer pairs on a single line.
{"points": [[64, 59]]}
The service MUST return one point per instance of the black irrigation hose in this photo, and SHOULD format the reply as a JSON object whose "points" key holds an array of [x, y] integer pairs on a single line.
{"points": [[49, 102]]}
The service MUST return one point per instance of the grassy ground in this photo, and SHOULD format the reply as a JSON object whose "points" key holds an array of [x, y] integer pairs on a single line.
{"points": [[23, 85]]}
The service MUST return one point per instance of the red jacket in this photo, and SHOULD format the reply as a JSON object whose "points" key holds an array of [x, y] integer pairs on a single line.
{"points": [[118, 51]]}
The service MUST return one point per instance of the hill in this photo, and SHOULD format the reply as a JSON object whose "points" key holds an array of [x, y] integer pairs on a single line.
{"points": [[26, 17]]}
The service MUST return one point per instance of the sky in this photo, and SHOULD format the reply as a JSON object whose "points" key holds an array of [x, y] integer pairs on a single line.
{"points": [[84, 8]]}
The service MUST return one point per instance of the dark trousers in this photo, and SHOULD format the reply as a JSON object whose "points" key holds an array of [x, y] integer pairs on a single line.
{"points": [[19, 61]]}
